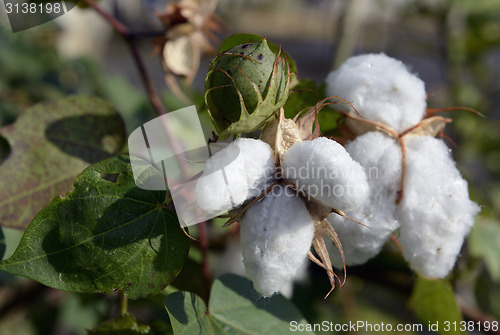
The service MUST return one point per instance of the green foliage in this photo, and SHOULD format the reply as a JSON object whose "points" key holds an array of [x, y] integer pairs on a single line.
{"points": [[2, 243], [434, 301], [305, 94], [104, 236], [113, 234], [122, 325], [483, 243], [4, 149], [50, 144], [234, 308], [31, 72]]}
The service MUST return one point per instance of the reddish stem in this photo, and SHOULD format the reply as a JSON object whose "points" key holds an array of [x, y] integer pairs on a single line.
{"points": [[160, 110], [125, 32], [148, 83], [395, 240], [202, 226]]}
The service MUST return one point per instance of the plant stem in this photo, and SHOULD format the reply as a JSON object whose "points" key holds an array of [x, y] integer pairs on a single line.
{"points": [[121, 29], [153, 95], [395, 240], [123, 304], [202, 226], [476, 315], [148, 83]]}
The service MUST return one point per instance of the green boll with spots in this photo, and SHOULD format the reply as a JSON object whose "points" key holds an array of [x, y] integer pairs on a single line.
{"points": [[245, 86]]}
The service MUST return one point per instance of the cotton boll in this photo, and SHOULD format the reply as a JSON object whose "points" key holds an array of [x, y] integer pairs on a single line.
{"points": [[276, 235], [361, 243], [324, 170], [436, 213], [381, 89], [259, 164], [238, 172], [380, 157]]}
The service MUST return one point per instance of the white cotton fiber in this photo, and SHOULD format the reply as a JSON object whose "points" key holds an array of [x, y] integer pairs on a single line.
{"points": [[236, 173], [276, 235], [381, 89], [380, 156], [436, 213], [325, 171]]}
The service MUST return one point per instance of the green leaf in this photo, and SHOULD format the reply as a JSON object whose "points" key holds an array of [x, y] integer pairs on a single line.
{"points": [[433, 302], [238, 39], [234, 308], [4, 150], [306, 94], [3, 245], [303, 95], [104, 236], [123, 325], [133, 106], [483, 242], [51, 143]]}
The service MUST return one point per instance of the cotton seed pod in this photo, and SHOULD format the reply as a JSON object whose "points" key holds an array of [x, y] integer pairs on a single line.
{"points": [[435, 213], [244, 87], [380, 156], [382, 89], [325, 171], [276, 235], [236, 173]]}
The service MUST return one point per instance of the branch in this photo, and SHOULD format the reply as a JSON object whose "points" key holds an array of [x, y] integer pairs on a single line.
{"points": [[202, 226], [121, 29], [477, 315]]}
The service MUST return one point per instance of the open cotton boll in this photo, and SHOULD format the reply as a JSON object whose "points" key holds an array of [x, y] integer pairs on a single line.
{"points": [[324, 170], [380, 156], [276, 235], [360, 243], [381, 89], [237, 173], [436, 213]]}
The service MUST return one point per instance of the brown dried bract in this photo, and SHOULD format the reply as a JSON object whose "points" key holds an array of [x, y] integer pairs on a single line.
{"points": [[191, 29]]}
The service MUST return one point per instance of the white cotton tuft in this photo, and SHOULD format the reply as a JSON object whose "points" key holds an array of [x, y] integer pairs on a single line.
{"points": [[380, 156], [276, 235], [324, 170], [436, 213], [381, 89], [237, 173]]}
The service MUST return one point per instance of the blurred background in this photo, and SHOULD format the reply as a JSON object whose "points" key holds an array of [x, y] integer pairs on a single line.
{"points": [[453, 45]]}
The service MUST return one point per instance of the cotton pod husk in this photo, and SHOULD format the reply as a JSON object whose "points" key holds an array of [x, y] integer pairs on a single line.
{"points": [[245, 86], [380, 157], [276, 235], [436, 212], [235, 174], [381, 89], [324, 170]]}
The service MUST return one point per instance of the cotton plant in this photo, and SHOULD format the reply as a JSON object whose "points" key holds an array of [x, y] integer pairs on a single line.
{"points": [[280, 201], [281, 187], [414, 184]]}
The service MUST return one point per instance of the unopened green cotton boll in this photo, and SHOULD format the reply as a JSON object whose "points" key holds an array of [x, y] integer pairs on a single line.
{"points": [[244, 88], [276, 235]]}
